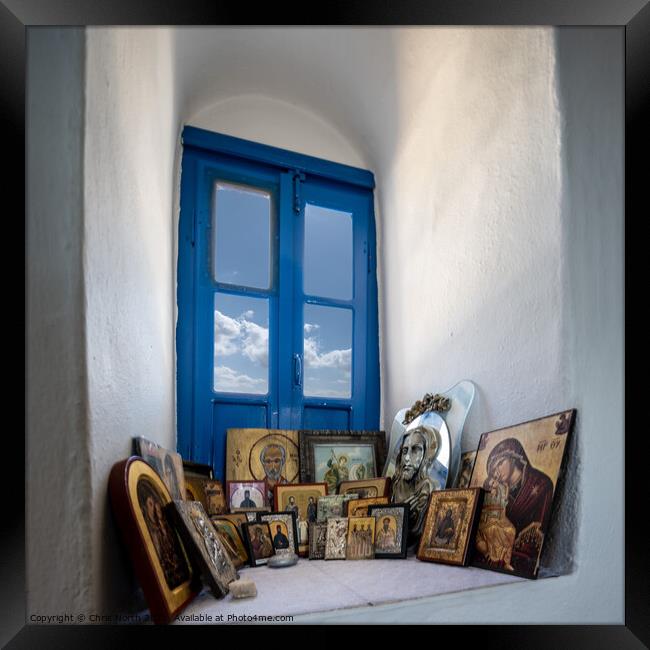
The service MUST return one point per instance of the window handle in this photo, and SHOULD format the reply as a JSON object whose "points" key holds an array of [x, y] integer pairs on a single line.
{"points": [[297, 370]]}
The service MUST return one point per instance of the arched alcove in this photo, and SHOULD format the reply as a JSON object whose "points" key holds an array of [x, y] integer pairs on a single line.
{"points": [[500, 258]]}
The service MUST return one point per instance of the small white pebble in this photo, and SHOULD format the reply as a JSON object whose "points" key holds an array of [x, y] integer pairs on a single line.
{"points": [[243, 588]]}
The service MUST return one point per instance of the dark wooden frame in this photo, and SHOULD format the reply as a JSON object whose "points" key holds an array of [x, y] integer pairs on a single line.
{"points": [[405, 507], [191, 538], [198, 469], [125, 515], [354, 484], [292, 515], [309, 437], [357, 502], [252, 560], [474, 516]]}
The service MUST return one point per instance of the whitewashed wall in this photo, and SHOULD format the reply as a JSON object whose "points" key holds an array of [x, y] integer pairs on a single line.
{"points": [[497, 154], [131, 135]]}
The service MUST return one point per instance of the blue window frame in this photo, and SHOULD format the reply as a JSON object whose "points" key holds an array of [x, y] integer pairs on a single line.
{"points": [[277, 294]]}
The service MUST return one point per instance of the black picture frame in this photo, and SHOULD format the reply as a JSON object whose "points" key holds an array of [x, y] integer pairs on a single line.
{"points": [[248, 540], [197, 469], [309, 438], [374, 511], [268, 517]]}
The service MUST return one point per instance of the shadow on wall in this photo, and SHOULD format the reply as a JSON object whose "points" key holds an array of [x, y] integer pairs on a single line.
{"points": [[590, 98]]}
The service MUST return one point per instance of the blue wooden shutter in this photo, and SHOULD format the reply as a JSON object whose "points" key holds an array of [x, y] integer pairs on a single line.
{"points": [[299, 188]]}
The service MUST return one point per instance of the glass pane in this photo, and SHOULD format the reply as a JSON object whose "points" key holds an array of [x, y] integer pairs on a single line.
{"points": [[242, 236], [241, 344], [328, 253], [327, 351]]}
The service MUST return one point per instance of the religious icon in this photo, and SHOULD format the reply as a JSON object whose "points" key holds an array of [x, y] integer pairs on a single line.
{"points": [[518, 467], [269, 455], [138, 499], [246, 495], [283, 531], [302, 500], [367, 488], [359, 507], [336, 538], [391, 528], [258, 539], [215, 497], [361, 538], [205, 545], [317, 540], [330, 506], [207, 491], [466, 466], [237, 518], [165, 540], [168, 464], [231, 539], [449, 526], [421, 466], [334, 457]]}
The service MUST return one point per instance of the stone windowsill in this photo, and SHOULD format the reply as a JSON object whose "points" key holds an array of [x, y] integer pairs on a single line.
{"points": [[315, 586]]}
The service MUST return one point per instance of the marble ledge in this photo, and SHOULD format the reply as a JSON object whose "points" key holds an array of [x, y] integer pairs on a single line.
{"points": [[318, 586]]}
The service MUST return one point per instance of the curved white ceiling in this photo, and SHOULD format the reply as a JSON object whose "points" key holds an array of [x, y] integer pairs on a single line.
{"points": [[347, 77]]}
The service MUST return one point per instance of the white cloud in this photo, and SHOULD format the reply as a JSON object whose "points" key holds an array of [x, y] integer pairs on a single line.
{"points": [[226, 333], [341, 359], [230, 380], [255, 343], [324, 384], [241, 336]]}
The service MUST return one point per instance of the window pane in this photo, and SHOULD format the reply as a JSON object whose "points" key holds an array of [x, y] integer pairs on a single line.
{"points": [[241, 344], [328, 253], [242, 236], [327, 351]]}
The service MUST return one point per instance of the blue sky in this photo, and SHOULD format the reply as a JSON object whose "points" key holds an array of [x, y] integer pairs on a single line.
{"points": [[242, 236], [242, 256], [328, 253]]}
